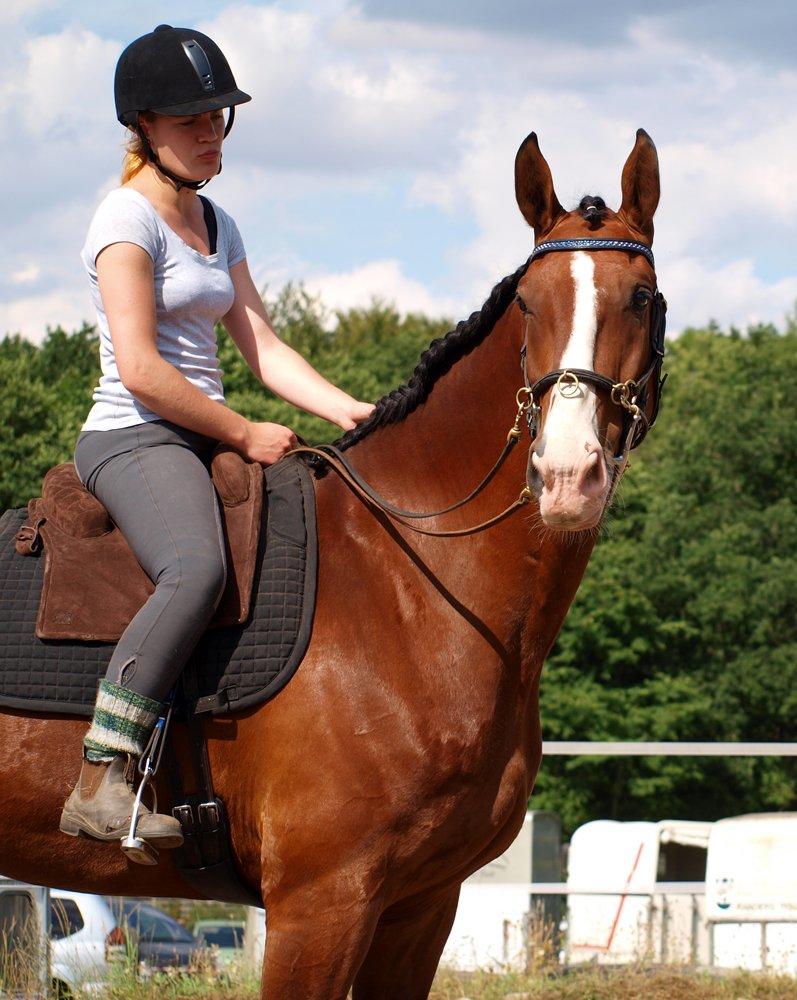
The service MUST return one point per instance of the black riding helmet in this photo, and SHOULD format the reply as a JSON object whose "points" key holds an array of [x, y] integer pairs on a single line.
{"points": [[174, 71]]}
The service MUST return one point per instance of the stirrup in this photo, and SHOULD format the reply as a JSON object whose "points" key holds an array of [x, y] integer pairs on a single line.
{"points": [[135, 848], [139, 851]]}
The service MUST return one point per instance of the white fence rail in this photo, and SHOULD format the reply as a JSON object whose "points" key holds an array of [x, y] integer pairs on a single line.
{"points": [[647, 748]]}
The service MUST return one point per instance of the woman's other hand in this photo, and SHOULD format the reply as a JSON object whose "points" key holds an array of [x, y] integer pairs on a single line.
{"points": [[353, 413], [267, 443]]}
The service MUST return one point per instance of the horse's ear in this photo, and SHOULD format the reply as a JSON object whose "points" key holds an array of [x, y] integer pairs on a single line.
{"points": [[640, 185], [534, 187]]}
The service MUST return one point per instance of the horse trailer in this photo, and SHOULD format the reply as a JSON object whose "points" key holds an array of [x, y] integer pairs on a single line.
{"points": [[751, 892], [636, 892]]}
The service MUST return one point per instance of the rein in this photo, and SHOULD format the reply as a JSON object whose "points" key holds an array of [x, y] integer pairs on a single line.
{"points": [[630, 395], [335, 458]]}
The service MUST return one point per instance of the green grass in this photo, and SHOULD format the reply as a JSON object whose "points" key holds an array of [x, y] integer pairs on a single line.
{"points": [[635, 983], [616, 984]]}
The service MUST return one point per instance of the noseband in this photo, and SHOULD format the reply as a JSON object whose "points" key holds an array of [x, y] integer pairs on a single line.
{"points": [[631, 395]]}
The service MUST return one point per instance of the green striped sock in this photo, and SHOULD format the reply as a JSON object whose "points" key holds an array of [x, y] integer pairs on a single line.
{"points": [[122, 723]]}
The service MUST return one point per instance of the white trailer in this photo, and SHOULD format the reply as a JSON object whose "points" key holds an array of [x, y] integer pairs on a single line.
{"points": [[751, 892], [635, 892]]}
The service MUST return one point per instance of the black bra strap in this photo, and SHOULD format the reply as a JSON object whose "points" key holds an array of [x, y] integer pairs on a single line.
{"points": [[210, 222]]}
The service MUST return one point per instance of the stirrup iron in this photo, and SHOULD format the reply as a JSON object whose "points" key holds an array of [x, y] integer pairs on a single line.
{"points": [[134, 847]]}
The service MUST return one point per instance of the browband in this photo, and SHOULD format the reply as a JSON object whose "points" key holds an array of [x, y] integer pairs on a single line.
{"points": [[586, 243]]}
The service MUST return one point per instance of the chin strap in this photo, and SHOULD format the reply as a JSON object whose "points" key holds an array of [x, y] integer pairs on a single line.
{"points": [[178, 181]]}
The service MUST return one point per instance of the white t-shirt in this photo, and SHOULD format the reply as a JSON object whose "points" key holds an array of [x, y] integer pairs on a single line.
{"points": [[192, 293]]}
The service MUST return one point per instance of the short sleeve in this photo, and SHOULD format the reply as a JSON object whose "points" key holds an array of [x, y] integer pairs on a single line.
{"points": [[235, 245], [236, 252], [122, 217]]}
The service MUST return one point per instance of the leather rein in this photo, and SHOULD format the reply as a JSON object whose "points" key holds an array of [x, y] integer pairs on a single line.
{"points": [[631, 396]]}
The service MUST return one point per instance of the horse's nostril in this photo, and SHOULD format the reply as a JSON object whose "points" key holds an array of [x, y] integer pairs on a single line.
{"points": [[541, 473], [592, 475]]}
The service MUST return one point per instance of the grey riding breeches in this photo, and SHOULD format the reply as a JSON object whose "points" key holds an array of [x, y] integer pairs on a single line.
{"points": [[154, 480]]}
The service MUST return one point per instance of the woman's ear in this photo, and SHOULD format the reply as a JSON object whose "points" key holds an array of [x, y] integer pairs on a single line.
{"points": [[144, 122]]}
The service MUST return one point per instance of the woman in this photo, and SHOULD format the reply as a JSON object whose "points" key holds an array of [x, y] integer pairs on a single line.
{"points": [[165, 265]]}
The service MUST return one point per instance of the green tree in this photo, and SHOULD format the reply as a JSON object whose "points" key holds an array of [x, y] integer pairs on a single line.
{"points": [[686, 624]]}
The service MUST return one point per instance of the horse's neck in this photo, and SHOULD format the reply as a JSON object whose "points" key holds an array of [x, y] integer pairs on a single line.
{"points": [[521, 578]]}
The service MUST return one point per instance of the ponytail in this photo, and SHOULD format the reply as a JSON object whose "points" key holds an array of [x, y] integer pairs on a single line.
{"points": [[136, 156]]}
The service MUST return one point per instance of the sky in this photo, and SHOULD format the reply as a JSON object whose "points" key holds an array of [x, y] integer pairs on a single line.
{"points": [[376, 157]]}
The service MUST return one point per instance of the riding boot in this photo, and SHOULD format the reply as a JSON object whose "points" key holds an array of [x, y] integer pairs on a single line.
{"points": [[101, 806]]}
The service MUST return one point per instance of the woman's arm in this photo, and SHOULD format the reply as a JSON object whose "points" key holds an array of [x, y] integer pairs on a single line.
{"points": [[277, 365], [126, 280]]}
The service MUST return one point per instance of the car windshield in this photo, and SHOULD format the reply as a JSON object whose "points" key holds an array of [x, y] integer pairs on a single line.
{"points": [[151, 924], [223, 937]]}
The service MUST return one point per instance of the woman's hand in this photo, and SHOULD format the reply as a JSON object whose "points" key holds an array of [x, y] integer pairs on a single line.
{"points": [[267, 443], [353, 413]]}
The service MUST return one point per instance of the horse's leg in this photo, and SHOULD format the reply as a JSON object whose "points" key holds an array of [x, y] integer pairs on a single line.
{"points": [[316, 938], [405, 950]]}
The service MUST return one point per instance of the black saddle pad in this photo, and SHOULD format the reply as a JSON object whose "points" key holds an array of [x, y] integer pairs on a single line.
{"points": [[235, 667]]}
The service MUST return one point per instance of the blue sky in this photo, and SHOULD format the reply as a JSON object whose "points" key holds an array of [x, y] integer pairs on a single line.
{"points": [[376, 156]]}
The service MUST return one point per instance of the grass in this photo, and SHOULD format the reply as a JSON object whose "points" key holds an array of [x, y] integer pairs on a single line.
{"points": [[201, 982], [593, 983], [632, 983], [543, 980], [20, 956]]}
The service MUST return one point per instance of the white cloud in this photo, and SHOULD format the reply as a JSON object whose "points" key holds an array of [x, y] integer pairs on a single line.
{"points": [[14, 11], [346, 108], [64, 74], [318, 106], [31, 315], [731, 294], [383, 280], [25, 275], [729, 174]]}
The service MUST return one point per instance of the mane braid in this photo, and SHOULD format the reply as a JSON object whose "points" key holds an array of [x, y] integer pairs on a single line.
{"points": [[438, 358]]}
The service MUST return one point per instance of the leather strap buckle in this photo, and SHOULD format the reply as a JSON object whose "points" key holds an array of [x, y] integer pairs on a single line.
{"points": [[185, 815], [209, 817]]}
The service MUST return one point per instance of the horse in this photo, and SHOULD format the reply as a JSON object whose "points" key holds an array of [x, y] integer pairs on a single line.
{"points": [[401, 757]]}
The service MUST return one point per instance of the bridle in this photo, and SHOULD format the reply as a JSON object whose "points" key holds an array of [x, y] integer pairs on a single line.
{"points": [[631, 396]]}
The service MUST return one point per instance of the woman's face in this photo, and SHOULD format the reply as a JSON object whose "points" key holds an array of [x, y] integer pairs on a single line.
{"points": [[189, 145]]}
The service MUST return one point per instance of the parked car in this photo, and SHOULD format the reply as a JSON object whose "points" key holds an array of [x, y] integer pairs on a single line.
{"points": [[224, 937], [90, 933], [161, 941], [84, 937]]}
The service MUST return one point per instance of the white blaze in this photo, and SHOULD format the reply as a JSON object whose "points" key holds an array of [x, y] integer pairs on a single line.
{"points": [[570, 423]]}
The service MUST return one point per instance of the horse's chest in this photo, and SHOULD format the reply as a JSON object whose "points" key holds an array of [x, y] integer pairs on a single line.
{"points": [[457, 832]]}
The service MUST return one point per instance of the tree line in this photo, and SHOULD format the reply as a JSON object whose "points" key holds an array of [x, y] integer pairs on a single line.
{"points": [[685, 627]]}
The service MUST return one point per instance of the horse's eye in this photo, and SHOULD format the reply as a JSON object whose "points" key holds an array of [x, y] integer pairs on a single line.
{"points": [[522, 305], [641, 297]]}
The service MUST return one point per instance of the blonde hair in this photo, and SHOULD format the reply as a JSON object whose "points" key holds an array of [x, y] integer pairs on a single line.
{"points": [[135, 151]]}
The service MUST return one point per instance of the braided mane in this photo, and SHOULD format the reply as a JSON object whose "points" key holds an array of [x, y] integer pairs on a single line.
{"points": [[438, 358]]}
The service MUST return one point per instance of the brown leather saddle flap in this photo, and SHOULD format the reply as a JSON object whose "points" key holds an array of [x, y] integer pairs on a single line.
{"points": [[93, 584]]}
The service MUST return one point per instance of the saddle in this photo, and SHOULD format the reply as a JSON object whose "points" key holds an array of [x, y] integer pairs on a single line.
{"points": [[94, 585]]}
